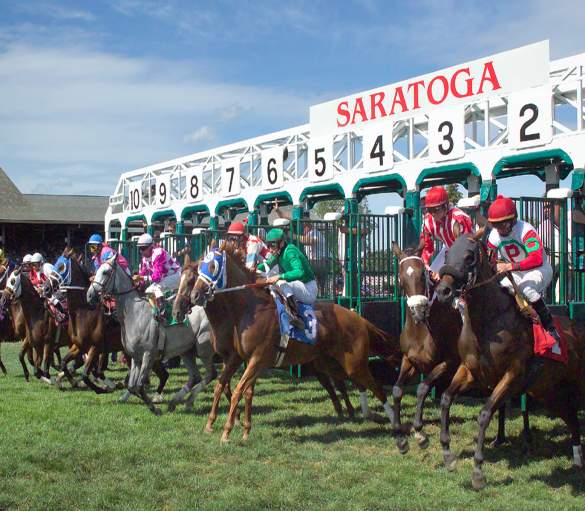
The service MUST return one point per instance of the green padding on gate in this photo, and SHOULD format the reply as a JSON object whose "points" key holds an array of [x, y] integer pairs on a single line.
{"points": [[578, 179], [199, 208], [335, 190], [134, 218], [389, 183], [541, 157], [231, 203], [449, 174]]}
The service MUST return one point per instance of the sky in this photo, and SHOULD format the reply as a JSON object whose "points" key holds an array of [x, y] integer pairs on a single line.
{"points": [[89, 90]]}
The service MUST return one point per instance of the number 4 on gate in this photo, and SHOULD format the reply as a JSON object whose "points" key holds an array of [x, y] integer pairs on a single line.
{"points": [[377, 148]]}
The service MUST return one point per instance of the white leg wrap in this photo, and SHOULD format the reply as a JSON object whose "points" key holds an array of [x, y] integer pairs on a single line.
{"points": [[389, 411], [578, 456], [364, 403]]}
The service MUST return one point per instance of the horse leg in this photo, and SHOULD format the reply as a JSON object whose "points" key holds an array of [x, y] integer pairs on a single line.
{"points": [[342, 389], [485, 415], [325, 382], [461, 381], [56, 355], [422, 392], [163, 376], [46, 363], [21, 355], [248, 379], [193, 381], [142, 379], [248, 396], [526, 433], [2, 368], [89, 361], [501, 435], [406, 371], [64, 370], [230, 367]]}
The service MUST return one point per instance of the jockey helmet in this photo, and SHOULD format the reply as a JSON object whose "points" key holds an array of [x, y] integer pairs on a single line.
{"points": [[436, 196], [37, 258], [26, 259], [503, 208], [275, 235], [145, 240], [95, 239], [236, 228]]}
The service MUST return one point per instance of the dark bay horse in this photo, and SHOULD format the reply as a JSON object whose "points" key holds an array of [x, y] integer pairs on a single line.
{"points": [[248, 319], [42, 334], [428, 342], [495, 346]]}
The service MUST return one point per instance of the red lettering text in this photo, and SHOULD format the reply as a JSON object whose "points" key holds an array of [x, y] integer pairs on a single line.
{"points": [[469, 84], [489, 75]]}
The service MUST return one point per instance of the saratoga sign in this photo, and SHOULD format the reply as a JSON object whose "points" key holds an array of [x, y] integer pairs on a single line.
{"points": [[502, 73]]}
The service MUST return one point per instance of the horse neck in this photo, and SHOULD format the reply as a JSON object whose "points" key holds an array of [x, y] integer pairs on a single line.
{"points": [[127, 299], [76, 297], [33, 307]]}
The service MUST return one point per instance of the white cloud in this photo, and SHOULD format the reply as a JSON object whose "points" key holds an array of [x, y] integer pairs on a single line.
{"points": [[202, 134]]}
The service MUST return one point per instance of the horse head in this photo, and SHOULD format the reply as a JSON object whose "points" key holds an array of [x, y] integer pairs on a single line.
{"points": [[211, 275], [182, 303], [105, 281], [13, 287], [414, 280], [464, 262]]}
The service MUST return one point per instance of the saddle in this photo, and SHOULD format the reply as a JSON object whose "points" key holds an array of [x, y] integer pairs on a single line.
{"points": [[165, 317]]}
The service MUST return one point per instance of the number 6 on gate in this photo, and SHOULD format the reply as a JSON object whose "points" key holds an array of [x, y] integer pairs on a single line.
{"points": [[272, 168]]}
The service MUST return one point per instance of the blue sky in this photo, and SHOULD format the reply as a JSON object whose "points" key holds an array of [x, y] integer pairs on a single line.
{"points": [[91, 89]]}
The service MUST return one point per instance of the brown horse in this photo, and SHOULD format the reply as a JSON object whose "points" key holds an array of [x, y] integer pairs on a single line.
{"points": [[248, 321], [327, 371], [42, 334], [429, 345], [495, 346]]}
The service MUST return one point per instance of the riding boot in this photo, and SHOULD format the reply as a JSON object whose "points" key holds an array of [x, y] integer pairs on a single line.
{"points": [[296, 319], [546, 319]]}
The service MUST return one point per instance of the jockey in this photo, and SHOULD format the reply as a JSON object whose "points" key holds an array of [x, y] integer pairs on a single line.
{"points": [[101, 252], [256, 250], [519, 244], [297, 280], [157, 269], [53, 295], [36, 275], [443, 223], [26, 263]]}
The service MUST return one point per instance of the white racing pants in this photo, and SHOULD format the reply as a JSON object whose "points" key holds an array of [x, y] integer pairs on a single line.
{"points": [[305, 293], [439, 260], [168, 283], [532, 283]]}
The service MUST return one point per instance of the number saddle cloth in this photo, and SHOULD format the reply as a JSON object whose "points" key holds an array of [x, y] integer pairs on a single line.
{"points": [[287, 331]]}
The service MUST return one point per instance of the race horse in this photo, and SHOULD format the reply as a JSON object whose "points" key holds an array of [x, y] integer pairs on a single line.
{"points": [[42, 334], [145, 340], [248, 320], [495, 346], [327, 371], [428, 341]]}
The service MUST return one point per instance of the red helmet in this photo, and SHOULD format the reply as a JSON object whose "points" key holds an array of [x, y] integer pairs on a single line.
{"points": [[503, 208], [436, 196], [236, 228]]}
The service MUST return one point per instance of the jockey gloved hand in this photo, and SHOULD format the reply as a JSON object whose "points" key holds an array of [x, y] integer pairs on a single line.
{"points": [[273, 280], [503, 267]]}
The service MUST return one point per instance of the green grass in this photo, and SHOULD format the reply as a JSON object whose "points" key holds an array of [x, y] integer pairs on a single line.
{"points": [[76, 450]]}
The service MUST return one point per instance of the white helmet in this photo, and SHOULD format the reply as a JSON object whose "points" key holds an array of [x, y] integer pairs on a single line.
{"points": [[37, 258], [145, 240], [26, 259]]}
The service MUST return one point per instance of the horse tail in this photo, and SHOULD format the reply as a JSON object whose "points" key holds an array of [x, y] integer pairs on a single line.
{"points": [[383, 344]]}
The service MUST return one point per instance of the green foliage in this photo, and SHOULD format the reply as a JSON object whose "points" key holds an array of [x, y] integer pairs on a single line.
{"points": [[326, 206], [75, 450], [454, 193]]}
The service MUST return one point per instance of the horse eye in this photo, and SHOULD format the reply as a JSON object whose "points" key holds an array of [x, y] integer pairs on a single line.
{"points": [[469, 259]]}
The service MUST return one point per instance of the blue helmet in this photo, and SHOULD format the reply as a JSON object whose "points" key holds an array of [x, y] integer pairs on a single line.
{"points": [[95, 239]]}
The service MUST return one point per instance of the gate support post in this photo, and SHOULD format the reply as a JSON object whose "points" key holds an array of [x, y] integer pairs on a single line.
{"points": [[124, 234], [352, 286], [296, 226], [412, 218], [552, 176], [252, 218]]}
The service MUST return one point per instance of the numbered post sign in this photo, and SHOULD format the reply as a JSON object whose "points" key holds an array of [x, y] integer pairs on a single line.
{"points": [[272, 168], [320, 159], [163, 191], [230, 177], [530, 118], [135, 196], [446, 134], [377, 148], [195, 185]]}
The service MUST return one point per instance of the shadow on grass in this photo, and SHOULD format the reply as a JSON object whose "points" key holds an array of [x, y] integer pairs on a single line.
{"points": [[559, 477]]}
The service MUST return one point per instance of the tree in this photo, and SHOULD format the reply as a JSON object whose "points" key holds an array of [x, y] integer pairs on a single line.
{"points": [[326, 206], [454, 193]]}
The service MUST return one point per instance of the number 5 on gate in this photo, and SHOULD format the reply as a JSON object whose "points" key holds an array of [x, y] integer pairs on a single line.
{"points": [[320, 160], [447, 134]]}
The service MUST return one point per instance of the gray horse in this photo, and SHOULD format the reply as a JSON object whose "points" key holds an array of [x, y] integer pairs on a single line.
{"points": [[145, 340]]}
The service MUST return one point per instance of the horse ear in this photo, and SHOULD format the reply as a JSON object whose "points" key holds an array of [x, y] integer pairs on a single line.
{"points": [[396, 250], [478, 235], [223, 245]]}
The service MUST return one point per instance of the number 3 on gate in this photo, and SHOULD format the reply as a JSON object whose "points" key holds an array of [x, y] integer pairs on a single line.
{"points": [[320, 159], [377, 148], [447, 134], [530, 118], [230, 177]]}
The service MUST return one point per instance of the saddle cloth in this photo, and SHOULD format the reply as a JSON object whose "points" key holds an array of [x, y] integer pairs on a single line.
{"points": [[544, 342], [307, 312]]}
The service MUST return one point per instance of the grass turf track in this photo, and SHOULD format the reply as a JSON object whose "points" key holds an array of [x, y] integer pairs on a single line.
{"points": [[77, 450]]}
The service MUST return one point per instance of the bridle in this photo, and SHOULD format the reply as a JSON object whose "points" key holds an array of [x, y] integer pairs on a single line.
{"points": [[214, 280], [112, 275], [421, 300]]}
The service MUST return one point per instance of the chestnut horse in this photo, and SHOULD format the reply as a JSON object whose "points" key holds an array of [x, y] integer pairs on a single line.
{"points": [[248, 318], [429, 345], [495, 346]]}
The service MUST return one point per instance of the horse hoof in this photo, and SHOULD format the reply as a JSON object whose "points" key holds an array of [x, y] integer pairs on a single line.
{"points": [[46, 380], [124, 397], [421, 439], [172, 406], [478, 480], [208, 429], [450, 461], [224, 439], [157, 398], [497, 442], [246, 436], [402, 444]]}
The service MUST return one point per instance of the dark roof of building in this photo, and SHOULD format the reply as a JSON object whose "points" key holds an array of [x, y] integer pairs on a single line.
{"points": [[16, 207]]}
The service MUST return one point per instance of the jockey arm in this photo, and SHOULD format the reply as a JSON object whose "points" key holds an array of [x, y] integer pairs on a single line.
{"points": [[428, 248], [297, 271], [533, 246], [269, 262]]}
